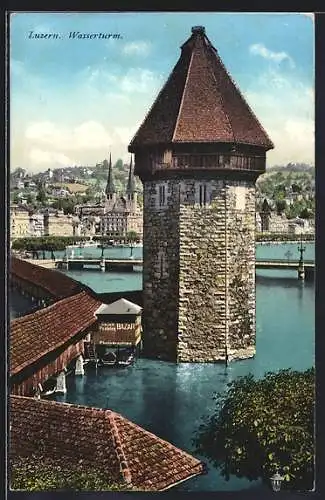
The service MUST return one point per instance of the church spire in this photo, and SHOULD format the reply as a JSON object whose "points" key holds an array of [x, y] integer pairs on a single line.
{"points": [[110, 187], [130, 189]]}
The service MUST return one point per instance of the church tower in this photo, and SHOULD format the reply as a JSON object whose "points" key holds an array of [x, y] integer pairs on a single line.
{"points": [[198, 153], [110, 187], [131, 193]]}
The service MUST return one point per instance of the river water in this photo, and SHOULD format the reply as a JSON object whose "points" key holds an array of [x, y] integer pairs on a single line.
{"points": [[170, 400]]}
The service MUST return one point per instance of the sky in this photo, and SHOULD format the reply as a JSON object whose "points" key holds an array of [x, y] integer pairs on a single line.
{"points": [[73, 100]]}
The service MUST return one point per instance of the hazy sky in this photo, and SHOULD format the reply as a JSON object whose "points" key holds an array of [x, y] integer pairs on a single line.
{"points": [[74, 100]]}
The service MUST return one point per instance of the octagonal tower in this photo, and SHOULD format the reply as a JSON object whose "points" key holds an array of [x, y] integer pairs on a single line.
{"points": [[198, 153]]}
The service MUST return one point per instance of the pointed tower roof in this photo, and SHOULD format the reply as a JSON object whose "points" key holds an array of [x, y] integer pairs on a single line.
{"points": [[110, 187], [131, 180], [200, 103]]}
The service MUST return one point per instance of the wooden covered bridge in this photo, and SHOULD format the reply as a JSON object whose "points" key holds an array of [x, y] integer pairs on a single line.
{"points": [[43, 344], [67, 318]]}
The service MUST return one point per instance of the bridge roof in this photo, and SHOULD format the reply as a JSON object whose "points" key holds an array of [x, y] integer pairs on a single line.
{"points": [[57, 284], [37, 334], [96, 439]]}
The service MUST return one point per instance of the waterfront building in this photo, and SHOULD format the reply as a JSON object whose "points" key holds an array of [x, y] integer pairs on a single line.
{"points": [[36, 225], [19, 222], [198, 153], [118, 334], [58, 224]]}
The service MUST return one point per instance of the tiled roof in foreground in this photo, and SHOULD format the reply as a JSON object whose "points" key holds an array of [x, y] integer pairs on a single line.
{"points": [[99, 439], [200, 103], [57, 284], [39, 333]]}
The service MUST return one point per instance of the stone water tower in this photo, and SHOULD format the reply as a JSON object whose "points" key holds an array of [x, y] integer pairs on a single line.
{"points": [[198, 153]]}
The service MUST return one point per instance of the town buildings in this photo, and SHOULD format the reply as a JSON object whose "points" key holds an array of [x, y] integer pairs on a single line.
{"points": [[118, 215], [198, 153], [19, 222], [25, 223], [58, 224]]}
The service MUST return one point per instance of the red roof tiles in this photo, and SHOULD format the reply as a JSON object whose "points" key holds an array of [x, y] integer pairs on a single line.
{"points": [[55, 283], [37, 334], [200, 103], [95, 438]]}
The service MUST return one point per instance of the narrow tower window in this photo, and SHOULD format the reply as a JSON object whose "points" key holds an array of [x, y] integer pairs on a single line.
{"points": [[202, 195], [162, 196]]}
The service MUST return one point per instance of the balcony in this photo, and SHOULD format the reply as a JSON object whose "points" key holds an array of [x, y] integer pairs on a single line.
{"points": [[213, 162]]}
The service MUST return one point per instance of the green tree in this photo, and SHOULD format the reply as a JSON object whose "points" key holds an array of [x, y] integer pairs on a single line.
{"points": [[30, 199], [14, 197], [41, 195], [132, 236], [262, 425], [36, 473], [281, 205]]}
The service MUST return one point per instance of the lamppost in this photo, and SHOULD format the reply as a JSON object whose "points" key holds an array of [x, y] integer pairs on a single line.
{"points": [[301, 267], [276, 481]]}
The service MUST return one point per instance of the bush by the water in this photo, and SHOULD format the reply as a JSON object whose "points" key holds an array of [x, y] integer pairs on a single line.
{"points": [[263, 425]]}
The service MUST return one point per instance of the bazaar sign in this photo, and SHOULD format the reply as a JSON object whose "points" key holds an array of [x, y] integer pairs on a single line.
{"points": [[116, 327]]}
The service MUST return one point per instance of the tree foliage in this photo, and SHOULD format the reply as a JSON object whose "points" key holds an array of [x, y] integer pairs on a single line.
{"points": [[41, 196], [132, 236], [263, 425], [282, 237], [47, 243], [35, 474]]}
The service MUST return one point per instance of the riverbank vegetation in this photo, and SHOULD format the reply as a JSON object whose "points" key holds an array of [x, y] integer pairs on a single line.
{"points": [[261, 426], [283, 237], [39, 474], [56, 243]]}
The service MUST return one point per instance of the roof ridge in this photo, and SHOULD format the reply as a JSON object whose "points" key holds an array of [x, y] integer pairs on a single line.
{"points": [[153, 104], [208, 56], [44, 310], [124, 467], [157, 438], [183, 95], [242, 96]]}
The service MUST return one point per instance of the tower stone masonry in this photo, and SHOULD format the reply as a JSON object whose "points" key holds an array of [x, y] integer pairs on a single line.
{"points": [[198, 153]]}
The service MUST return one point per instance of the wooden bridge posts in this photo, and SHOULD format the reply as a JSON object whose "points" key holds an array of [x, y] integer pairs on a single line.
{"points": [[301, 270], [79, 370], [61, 383], [301, 267], [65, 263]]}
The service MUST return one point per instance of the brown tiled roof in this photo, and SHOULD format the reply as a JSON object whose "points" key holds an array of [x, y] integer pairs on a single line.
{"points": [[37, 334], [200, 103], [55, 283], [100, 439]]}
